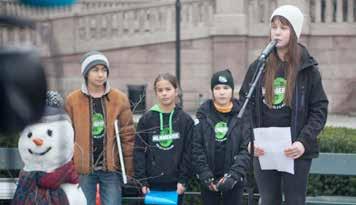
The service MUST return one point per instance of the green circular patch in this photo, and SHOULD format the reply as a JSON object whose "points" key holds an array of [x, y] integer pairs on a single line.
{"points": [[98, 125], [220, 130]]}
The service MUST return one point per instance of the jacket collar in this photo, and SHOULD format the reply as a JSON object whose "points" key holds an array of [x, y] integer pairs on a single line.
{"points": [[85, 90], [205, 109]]}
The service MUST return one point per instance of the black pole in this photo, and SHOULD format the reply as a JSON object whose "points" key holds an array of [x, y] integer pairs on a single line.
{"points": [[260, 67], [250, 185], [178, 9]]}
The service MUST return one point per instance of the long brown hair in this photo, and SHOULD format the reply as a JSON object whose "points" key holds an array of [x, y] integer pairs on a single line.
{"points": [[292, 58]]}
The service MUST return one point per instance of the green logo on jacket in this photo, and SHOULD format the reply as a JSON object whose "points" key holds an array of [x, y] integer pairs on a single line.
{"points": [[165, 139], [221, 129], [98, 125], [279, 86]]}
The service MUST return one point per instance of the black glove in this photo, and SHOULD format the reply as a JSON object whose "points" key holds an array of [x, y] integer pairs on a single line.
{"points": [[227, 183]]}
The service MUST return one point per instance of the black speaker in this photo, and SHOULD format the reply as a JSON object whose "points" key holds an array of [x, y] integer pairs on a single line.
{"points": [[23, 83], [23, 88]]}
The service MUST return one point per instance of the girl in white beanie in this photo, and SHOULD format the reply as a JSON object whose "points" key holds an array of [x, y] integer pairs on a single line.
{"points": [[289, 94]]}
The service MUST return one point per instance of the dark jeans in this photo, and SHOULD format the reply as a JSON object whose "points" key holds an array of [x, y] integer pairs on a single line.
{"points": [[271, 183], [232, 197]]}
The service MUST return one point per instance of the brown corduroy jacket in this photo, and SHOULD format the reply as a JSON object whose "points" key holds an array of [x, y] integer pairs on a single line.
{"points": [[116, 106]]}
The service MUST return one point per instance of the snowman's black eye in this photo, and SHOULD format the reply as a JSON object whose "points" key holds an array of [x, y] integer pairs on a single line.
{"points": [[29, 135], [49, 133]]}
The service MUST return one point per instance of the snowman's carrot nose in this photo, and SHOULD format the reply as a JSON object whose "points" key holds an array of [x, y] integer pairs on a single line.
{"points": [[38, 141]]}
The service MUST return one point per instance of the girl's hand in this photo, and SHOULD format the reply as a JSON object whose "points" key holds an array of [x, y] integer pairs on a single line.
{"points": [[258, 150], [180, 188], [212, 187], [221, 180], [145, 190], [295, 150]]}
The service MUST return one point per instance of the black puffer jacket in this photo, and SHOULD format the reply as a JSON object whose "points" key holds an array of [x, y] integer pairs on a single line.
{"points": [[309, 105], [236, 154]]}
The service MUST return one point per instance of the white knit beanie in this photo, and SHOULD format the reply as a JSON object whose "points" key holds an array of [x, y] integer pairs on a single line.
{"points": [[293, 15], [92, 59]]}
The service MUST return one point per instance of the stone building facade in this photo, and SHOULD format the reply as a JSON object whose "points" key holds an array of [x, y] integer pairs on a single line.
{"points": [[138, 39]]}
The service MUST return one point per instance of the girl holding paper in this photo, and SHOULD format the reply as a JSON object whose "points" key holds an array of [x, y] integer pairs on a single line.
{"points": [[162, 148], [289, 94], [220, 156]]}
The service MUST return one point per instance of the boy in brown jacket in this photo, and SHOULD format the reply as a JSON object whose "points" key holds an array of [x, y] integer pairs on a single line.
{"points": [[93, 110]]}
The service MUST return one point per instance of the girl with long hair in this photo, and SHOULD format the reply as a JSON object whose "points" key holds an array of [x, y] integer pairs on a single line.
{"points": [[289, 94]]}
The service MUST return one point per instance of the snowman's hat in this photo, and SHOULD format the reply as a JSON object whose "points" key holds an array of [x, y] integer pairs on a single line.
{"points": [[54, 110]]}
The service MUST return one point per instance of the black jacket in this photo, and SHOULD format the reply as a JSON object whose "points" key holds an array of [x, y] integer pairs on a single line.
{"points": [[157, 167], [309, 103], [203, 151]]}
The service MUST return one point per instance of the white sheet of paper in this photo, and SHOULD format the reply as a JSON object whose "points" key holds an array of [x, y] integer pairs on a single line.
{"points": [[274, 140]]}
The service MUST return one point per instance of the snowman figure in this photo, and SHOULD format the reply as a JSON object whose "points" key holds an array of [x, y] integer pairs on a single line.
{"points": [[46, 148]]}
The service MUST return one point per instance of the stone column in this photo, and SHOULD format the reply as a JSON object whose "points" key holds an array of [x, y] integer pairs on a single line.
{"points": [[230, 17], [230, 29]]}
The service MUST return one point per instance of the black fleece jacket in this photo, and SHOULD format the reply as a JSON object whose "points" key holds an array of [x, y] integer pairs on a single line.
{"points": [[203, 150], [309, 103]]}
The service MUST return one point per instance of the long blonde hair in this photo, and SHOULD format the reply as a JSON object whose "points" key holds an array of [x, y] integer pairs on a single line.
{"points": [[292, 58]]}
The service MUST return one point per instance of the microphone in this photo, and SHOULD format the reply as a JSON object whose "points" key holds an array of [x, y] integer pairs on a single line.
{"points": [[256, 76], [269, 48]]}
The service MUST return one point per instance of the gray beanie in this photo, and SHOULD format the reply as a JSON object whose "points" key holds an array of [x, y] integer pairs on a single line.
{"points": [[54, 110], [92, 59]]}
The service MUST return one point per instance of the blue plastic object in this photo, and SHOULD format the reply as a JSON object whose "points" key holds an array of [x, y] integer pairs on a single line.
{"points": [[161, 198], [47, 3]]}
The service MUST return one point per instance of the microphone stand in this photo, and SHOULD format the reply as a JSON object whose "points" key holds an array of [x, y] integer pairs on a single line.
{"points": [[260, 68]]}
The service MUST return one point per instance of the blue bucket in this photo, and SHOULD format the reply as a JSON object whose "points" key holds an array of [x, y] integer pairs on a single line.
{"points": [[161, 198]]}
